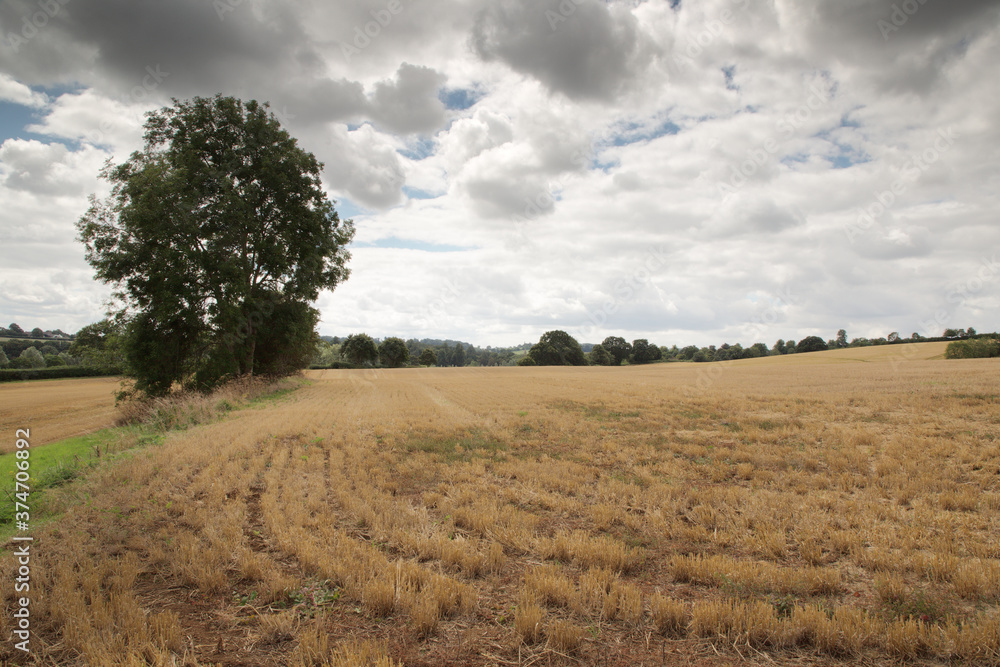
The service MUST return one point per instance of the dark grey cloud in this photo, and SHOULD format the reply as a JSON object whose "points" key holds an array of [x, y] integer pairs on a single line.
{"points": [[410, 103], [901, 45], [252, 50], [584, 49]]}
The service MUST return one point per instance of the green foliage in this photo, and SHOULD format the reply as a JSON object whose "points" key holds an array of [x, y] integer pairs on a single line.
{"points": [[978, 348], [16, 375], [53, 361], [216, 235], [643, 352], [618, 348], [427, 358], [811, 344], [32, 358], [557, 348], [4, 361], [393, 352], [359, 349], [101, 345], [599, 356]]}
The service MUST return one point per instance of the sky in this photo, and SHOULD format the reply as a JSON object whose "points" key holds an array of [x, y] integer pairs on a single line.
{"points": [[686, 172]]}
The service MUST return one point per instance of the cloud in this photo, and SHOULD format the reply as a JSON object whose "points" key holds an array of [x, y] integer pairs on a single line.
{"points": [[593, 52], [48, 169], [18, 93], [409, 104], [588, 134]]}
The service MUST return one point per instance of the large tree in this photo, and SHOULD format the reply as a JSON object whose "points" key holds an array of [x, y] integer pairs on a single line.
{"points": [[811, 344], [644, 353], [359, 349], [618, 348], [557, 348], [393, 352], [217, 235]]}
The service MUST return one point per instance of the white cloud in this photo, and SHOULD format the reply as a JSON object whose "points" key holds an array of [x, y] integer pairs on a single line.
{"points": [[588, 143]]}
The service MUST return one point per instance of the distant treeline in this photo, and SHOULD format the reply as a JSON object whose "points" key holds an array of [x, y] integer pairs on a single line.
{"points": [[13, 330], [981, 347]]}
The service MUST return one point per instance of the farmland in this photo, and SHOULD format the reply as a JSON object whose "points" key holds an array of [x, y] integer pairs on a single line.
{"points": [[834, 507], [59, 408]]}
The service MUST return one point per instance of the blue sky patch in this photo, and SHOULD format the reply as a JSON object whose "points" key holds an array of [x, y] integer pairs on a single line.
{"points": [[417, 193], [459, 99], [410, 244], [418, 148]]}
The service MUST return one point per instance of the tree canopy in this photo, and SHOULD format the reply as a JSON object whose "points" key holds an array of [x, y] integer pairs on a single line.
{"points": [[599, 356], [811, 344], [618, 348], [393, 352], [217, 236], [557, 348], [359, 349]]}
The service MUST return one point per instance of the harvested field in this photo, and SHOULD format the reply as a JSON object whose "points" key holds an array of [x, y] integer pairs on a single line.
{"points": [[57, 409], [816, 509]]}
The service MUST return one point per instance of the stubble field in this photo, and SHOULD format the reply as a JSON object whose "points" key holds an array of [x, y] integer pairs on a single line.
{"points": [[58, 408], [827, 508]]}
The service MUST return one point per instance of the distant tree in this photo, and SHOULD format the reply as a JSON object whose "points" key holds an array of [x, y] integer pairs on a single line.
{"points": [[618, 348], [916, 336], [599, 356], [393, 352], [15, 329], [687, 353], [37, 333], [702, 356], [893, 337], [758, 350], [643, 352], [100, 345], [527, 360], [811, 344], [359, 349], [842, 338], [53, 360], [557, 348], [48, 349], [779, 347], [790, 347], [427, 358], [33, 358], [4, 361], [970, 332], [458, 355], [950, 333]]}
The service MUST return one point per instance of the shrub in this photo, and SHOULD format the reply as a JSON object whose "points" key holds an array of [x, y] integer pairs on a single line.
{"points": [[979, 348]]}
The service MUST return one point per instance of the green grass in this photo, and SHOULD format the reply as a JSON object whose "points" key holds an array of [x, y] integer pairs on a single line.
{"points": [[471, 446], [60, 463]]}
